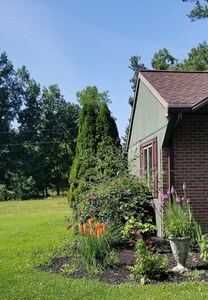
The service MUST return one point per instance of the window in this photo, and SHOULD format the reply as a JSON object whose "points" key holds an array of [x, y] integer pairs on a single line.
{"points": [[148, 164]]}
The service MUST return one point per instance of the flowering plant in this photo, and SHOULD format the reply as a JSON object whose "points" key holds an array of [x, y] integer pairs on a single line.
{"points": [[176, 214], [148, 264]]}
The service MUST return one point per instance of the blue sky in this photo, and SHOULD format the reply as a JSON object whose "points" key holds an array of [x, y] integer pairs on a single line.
{"points": [[77, 43]]}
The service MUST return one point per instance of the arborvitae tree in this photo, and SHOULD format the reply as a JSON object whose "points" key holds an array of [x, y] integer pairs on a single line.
{"points": [[95, 125], [106, 128]]}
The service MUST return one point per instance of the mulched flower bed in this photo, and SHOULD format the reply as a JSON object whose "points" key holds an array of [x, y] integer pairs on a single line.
{"points": [[120, 272]]}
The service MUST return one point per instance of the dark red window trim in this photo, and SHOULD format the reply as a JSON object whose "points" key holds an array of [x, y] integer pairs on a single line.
{"points": [[153, 143]]}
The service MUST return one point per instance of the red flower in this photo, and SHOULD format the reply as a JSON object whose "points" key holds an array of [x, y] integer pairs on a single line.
{"points": [[137, 233], [149, 244]]}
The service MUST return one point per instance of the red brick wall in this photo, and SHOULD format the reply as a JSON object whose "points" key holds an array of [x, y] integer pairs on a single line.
{"points": [[165, 169], [190, 163]]}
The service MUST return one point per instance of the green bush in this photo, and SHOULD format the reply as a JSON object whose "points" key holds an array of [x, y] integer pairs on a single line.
{"points": [[116, 200], [3, 193], [148, 265], [25, 188]]}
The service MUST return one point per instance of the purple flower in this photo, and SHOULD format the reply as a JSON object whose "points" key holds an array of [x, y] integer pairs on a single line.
{"points": [[94, 213], [93, 194], [184, 186], [164, 196], [90, 201], [69, 226], [172, 190], [178, 199], [188, 200], [168, 193]]}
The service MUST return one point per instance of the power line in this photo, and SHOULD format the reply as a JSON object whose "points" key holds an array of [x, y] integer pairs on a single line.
{"points": [[36, 143], [40, 130]]}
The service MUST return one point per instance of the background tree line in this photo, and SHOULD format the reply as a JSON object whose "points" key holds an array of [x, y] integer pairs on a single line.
{"points": [[41, 134], [38, 130]]}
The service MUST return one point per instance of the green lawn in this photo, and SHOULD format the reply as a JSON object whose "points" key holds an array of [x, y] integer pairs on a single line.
{"points": [[31, 232]]}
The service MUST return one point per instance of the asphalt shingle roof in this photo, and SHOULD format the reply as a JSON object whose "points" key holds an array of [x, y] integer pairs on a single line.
{"points": [[178, 88]]}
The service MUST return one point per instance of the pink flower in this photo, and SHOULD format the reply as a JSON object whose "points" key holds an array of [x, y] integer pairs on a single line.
{"points": [[164, 196], [172, 190], [168, 193], [93, 194], [178, 199], [184, 186], [188, 200]]}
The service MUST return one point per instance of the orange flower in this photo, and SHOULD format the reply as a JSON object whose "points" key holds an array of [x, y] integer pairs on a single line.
{"points": [[80, 227], [85, 228], [98, 236], [98, 226], [90, 222], [92, 231], [104, 228]]}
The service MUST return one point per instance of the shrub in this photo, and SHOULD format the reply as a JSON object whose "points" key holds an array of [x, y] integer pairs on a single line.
{"points": [[25, 188], [116, 200], [148, 265], [3, 193]]}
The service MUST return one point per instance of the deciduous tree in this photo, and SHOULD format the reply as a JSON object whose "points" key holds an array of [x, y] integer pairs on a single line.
{"points": [[200, 10]]}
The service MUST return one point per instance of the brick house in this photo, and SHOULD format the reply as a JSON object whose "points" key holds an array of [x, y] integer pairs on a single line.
{"points": [[168, 136]]}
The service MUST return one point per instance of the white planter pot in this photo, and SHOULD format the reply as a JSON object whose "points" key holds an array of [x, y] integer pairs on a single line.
{"points": [[180, 250]]}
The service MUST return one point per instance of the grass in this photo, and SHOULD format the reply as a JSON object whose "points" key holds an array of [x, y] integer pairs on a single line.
{"points": [[31, 232]]}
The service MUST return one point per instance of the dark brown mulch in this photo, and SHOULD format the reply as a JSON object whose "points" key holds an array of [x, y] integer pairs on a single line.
{"points": [[120, 272]]}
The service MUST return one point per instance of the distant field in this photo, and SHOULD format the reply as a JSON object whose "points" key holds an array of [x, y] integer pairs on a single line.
{"points": [[31, 232]]}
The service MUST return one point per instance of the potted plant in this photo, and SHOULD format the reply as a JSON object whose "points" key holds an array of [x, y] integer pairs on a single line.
{"points": [[178, 225]]}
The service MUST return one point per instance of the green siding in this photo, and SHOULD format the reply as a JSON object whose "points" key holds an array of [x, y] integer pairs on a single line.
{"points": [[149, 121]]}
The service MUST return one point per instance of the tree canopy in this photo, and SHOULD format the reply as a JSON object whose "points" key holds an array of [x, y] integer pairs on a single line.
{"points": [[38, 130], [200, 10]]}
